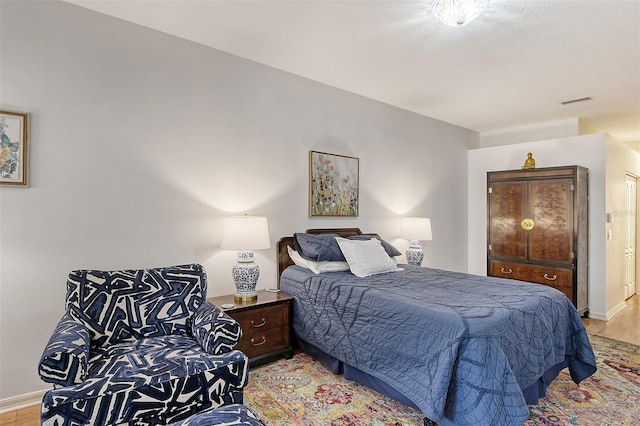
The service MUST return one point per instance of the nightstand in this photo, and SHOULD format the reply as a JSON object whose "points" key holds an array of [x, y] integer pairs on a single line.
{"points": [[266, 325]]}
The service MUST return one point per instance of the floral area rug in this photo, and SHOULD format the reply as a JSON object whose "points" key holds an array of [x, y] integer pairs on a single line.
{"points": [[301, 392], [610, 397]]}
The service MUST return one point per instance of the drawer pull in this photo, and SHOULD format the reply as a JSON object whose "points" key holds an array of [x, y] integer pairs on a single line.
{"points": [[553, 278], [254, 325], [506, 272], [261, 342]]}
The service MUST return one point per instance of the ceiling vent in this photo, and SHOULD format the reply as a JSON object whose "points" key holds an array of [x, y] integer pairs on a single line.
{"points": [[573, 101]]}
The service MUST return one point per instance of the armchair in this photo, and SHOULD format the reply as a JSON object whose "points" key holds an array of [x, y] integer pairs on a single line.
{"points": [[141, 347]]}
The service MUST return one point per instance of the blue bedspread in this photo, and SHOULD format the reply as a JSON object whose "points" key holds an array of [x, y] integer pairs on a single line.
{"points": [[461, 347]]}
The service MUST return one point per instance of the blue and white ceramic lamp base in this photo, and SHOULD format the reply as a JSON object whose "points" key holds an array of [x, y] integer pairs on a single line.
{"points": [[414, 253], [245, 276]]}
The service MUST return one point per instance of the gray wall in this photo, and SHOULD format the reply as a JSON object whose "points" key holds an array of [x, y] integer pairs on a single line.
{"points": [[141, 143]]}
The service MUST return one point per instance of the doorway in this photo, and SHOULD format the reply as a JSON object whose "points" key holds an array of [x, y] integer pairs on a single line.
{"points": [[630, 285]]}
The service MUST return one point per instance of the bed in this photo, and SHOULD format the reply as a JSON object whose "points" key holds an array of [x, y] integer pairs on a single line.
{"points": [[461, 348]]}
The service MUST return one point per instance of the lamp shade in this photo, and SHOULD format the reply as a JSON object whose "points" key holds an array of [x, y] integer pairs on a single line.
{"points": [[416, 228], [242, 233]]}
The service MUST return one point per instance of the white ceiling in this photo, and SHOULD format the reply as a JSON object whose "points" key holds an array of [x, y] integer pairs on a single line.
{"points": [[512, 66]]}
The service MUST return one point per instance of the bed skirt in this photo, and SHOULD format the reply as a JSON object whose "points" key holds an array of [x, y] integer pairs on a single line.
{"points": [[531, 393]]}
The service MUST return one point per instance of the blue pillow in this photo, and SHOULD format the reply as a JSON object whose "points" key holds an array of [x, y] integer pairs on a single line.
{"points": [[324, 247], [321, 247]]}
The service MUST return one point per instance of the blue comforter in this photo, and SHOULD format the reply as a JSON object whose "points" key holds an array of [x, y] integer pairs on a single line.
{"points": [[461, 347]]}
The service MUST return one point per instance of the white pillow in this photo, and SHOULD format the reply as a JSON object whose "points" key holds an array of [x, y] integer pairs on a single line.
{"points": [[366, 257], [317, 267]]}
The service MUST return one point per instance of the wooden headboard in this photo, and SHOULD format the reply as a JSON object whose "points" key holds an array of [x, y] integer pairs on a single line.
{"points": [[285, 261]]}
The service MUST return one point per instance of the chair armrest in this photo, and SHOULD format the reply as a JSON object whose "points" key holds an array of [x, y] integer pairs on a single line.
{"points": [[214, 330], [64, 360]]}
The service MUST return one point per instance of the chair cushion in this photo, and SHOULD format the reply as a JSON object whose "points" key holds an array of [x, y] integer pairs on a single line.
{"points": [[234, 414], [118, 306], [149, 378], [150, 361]]}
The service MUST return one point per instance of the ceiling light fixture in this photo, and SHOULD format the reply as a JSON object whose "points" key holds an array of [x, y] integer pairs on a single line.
{"points": [[457, 13]]}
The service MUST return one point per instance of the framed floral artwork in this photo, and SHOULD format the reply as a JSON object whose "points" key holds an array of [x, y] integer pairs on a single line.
{"points": [[14, 148], [333, 184]]}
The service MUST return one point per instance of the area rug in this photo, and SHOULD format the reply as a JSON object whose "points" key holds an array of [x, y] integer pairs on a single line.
{"points": [[301, 392]]}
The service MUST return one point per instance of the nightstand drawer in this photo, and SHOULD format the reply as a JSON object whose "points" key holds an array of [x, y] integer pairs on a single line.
{"points": [[259, 342], [263, 318]]}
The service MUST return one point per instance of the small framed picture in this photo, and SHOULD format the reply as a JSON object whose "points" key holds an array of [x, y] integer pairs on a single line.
{"points": [[333, 184], [14, 148]]}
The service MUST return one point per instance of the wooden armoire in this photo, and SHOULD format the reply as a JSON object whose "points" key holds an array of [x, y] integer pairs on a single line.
{"points": [[537, 228]]}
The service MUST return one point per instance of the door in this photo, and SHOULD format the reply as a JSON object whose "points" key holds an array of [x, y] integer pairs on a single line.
{"points": [[630, 230], [506, 210], [551, 238]]}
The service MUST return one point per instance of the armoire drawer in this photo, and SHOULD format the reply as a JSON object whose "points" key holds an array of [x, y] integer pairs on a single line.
{"points": [[555, 277], [558, 278], [511, 270]]}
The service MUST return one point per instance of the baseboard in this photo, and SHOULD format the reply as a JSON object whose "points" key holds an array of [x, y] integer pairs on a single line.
{"points": [[613, 312], [21, 401], [610, 314]]}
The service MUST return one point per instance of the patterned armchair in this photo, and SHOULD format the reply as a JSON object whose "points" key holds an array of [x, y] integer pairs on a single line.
{"points": [[142, 347]]}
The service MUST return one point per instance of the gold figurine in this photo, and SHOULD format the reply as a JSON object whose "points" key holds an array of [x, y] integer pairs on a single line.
{"points": [[530, 162]]}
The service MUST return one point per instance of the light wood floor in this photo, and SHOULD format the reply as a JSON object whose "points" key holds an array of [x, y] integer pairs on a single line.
{"points": [[26, 417], [625, 326]]}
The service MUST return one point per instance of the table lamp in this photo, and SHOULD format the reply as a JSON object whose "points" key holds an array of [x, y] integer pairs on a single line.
{"points": [[244, 234], [415, 229]]}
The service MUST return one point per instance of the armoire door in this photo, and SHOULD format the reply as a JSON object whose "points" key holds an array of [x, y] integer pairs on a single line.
{"points": [[507, 204], [551, 208]]}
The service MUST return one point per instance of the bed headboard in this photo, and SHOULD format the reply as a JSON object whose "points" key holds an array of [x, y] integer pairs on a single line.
{"points": [[285, 261]]}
